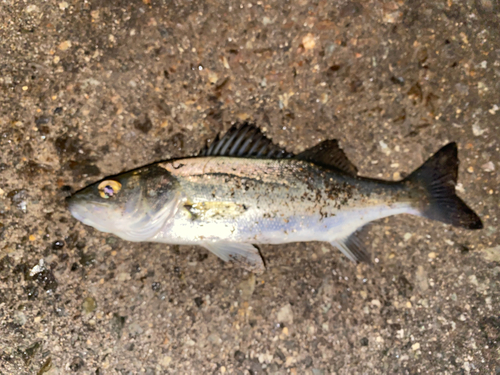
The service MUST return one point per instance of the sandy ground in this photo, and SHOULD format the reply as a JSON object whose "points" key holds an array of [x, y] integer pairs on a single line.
{"points": [[92, 88]]}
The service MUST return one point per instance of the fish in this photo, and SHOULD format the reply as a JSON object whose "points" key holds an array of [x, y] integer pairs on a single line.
{"points": [[243, 191]]}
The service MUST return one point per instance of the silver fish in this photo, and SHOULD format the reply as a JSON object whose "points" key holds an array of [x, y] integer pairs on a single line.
{"points": [[243, 190]]}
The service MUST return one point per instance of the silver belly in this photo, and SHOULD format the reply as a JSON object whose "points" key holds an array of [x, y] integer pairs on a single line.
{"points": [[253, 227]]}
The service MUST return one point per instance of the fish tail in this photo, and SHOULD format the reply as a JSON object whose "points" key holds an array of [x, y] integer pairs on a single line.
{"points": [[438, 177]]}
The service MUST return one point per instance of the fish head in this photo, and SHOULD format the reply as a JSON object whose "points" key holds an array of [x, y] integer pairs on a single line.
{"points": [[134, 205]]}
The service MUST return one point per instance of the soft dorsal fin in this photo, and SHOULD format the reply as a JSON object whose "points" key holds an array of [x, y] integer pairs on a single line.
{"points": [[329, 154], [245, 141]]}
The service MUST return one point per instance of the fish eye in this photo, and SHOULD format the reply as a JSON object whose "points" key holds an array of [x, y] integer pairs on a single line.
{"points": [[109, 188]]}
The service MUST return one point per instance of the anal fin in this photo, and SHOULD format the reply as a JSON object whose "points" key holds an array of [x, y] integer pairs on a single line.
{"points": [[244, 254], [353, 247]]}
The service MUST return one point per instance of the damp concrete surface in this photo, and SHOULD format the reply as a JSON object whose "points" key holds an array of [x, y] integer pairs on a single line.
{"points": [[93, 88]]}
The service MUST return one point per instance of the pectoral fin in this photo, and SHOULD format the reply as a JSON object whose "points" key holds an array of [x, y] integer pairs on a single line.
{"points": [[353, 247], [244, 254]]}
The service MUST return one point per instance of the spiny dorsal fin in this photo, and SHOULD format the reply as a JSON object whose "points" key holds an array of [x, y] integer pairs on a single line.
{"points": [[245, 141], [329, 154]]}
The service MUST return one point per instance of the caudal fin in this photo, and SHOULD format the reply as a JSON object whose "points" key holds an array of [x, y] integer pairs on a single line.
{"points": [[438, 176]]}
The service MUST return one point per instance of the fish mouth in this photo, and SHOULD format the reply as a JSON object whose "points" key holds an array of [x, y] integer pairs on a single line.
{"points": [[76, 208], [72, 207], [82, 214], [78, 215]]}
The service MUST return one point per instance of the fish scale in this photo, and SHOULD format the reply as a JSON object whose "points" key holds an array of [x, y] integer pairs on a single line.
{"points": [[283, 207]]}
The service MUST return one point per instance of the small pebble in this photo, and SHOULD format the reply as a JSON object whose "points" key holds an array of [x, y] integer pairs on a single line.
{"points": [[89, 304], [32, 9], [135, 329], [65, 45], [38, 268], [421, 279], [57, 245], [165, 361], [393, 17], [225, 62], [473, 280], [477, 131], [470, 169], [308, 42], [20, 318], [285, 314], [493, 109], [488, 167], [460, 188], [212, 77], [247, 287], [492, 254]]}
